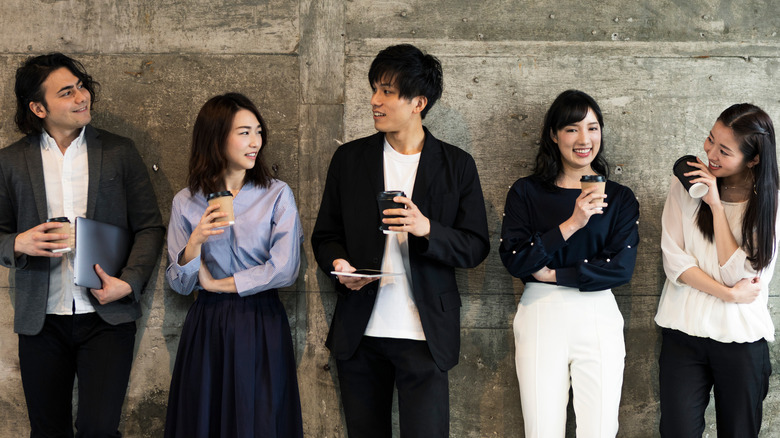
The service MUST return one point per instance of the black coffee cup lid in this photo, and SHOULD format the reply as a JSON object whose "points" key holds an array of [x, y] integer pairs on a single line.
{"points": [[390, 194], [593, 178], [58, 219], [686, 158], [218, 195]]}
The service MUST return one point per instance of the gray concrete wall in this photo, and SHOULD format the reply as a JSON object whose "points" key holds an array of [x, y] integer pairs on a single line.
{"points": [[661, 70]]}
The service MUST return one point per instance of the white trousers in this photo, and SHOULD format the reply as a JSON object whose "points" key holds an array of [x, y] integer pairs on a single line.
{"points": [[563, 338]]}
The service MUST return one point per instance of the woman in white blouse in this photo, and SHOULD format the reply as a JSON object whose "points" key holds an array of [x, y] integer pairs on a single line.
{"points": [[719, 254]]}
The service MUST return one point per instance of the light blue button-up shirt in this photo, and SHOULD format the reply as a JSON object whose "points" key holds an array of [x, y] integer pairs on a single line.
{"points": [[261, 251]]}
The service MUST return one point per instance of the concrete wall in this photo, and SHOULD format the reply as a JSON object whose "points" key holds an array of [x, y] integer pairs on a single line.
{"points": [[661, 70]]}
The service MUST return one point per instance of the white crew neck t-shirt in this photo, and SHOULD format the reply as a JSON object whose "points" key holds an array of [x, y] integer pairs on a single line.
{"points": [[395, 314]]}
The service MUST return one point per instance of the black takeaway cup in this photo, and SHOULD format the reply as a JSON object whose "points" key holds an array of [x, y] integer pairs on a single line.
{"points": [[681, 167], [385, 201]]}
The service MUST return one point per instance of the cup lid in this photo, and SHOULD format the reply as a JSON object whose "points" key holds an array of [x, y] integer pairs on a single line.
{"points": [[58, 219], [218, 195], [691, 158], [593, 178], [389, 194]]}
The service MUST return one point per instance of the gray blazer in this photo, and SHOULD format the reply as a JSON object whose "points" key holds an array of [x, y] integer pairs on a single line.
{"points": [[119, 193]]}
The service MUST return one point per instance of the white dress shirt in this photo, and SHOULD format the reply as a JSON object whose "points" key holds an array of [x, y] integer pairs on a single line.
{"points": [[66, 177], [698, 313]]}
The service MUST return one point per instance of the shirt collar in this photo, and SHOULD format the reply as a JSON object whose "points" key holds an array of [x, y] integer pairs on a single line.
{"points": [[47, 141]]}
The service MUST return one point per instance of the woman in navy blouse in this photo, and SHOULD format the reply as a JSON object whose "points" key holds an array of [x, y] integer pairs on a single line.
{"points": [[235, 373], [570, 247]]}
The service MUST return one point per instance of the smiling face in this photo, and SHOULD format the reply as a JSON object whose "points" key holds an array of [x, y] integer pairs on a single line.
{"points": [[66, 106], [725, 159], [393, 113], [244, 141], [579, 143]]}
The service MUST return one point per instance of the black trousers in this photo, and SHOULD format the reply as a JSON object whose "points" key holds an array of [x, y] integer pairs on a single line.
{"points": [[690, 367], [367, 380], [80, 345]]}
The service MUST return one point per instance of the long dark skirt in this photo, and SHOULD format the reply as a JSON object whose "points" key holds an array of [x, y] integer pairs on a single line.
{"points": [[235, 370]]}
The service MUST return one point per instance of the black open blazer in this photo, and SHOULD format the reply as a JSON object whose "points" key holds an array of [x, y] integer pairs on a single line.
{"points": [[447, 191]]}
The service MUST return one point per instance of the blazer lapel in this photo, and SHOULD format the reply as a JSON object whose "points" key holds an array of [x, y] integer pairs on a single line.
{"points": [[95, 161], [35, 170], [373, 163], [429, 167]]}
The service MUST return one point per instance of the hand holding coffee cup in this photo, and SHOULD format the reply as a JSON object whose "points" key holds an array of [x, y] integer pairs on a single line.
{"points": [[225, 202], [65, 229], [385, 201], [681, 167], [597, 181]]}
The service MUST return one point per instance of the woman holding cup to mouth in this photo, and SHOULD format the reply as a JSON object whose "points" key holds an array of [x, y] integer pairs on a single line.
{"points": [[570, 243], [235, 372], [719, 254]]}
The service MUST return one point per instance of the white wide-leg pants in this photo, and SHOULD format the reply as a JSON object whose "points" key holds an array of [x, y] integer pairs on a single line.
{"points": [[566, 337]]}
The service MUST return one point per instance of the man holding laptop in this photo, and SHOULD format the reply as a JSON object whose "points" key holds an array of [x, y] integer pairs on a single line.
{"points": [[396, 330], [65, 168]]}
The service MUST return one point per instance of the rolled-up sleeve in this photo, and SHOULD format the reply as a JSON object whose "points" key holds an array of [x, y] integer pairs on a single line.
{"points": [[181, 278], [281, 268]]}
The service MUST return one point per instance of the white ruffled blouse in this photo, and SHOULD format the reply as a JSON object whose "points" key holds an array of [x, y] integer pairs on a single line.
{"points": [[695, 312]]}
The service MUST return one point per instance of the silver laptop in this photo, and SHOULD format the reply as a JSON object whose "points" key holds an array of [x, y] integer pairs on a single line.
{"points": [[98, 243]]}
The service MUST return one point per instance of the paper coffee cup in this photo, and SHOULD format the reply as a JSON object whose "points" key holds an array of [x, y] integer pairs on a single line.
{"points": [[588, 181], [681, 167], [385, 201], [65, 229], [225, 202]]}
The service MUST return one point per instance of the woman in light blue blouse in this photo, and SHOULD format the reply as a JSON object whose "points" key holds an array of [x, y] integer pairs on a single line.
{"points": [[235, 373]]}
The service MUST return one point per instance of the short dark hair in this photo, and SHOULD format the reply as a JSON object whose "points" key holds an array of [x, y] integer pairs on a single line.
{"points": [[569, 107], [30, 77], [755, 132], [412, 71], [208, 155]]}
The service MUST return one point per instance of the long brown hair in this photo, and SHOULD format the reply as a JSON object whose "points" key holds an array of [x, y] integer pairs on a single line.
{"points": [[756, 135], [208, 157]]}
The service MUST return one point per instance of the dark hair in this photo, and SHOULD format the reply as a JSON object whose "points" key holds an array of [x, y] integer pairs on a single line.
{"points": [[753, 129], [208, 156], [414, 73], [569, 107], [30, 77]]}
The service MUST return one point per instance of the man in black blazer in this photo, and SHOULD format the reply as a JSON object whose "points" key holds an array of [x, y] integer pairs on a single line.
{"points": [[66, 168], [401, 330]]}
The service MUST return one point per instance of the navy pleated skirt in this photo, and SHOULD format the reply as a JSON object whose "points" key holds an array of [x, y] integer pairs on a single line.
{"points": [[235, 370]]}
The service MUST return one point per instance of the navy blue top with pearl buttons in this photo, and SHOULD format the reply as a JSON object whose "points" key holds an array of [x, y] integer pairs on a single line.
{"points": [[599, 256]]}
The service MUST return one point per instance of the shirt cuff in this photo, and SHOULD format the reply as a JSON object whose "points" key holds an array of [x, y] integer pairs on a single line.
{"points": [[190, 268], [676, 279], [243, 282]]}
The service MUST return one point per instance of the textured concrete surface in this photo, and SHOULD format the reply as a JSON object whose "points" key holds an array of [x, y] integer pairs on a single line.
{"points": [[661, 70]]}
